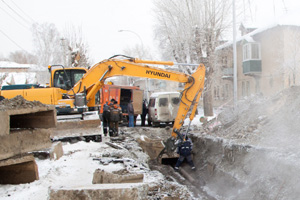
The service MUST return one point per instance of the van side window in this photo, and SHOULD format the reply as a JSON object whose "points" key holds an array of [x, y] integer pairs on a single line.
{"points": [[175, 100], [163, 102], [151, 102]]}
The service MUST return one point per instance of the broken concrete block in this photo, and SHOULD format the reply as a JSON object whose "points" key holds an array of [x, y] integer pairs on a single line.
{"points": [[56, 151], [133, 191], [151, 146], [18, 170], [23, 141], [100, 177]]}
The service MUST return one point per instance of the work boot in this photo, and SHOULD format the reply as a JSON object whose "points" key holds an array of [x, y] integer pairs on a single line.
{"points": [[176, 169]]}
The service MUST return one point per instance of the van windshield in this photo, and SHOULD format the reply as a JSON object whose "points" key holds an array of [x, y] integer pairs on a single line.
{"points": [[163, 102]]}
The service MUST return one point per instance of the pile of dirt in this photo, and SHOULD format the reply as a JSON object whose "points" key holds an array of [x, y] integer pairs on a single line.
{"points": [[261, 121], [19, 102]]}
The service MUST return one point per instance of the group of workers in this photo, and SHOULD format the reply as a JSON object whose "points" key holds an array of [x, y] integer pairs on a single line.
{"points": [[112, 116]]}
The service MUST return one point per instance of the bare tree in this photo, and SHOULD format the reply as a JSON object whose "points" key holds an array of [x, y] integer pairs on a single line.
{"points": [[138, 51], [47, 44], [189, 31], [77, 47], [22, 57], [290, 66]]}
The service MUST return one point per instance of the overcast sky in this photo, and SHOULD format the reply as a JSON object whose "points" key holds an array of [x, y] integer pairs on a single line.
{"points": [[101, 21]]}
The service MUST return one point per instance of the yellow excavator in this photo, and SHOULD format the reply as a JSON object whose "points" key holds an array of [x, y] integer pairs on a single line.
{"points": [[85, 90], [94, 79]]}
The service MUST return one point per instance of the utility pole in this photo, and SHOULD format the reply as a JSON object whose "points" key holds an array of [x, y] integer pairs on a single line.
{"points": [[63, 44], [234, 58]]}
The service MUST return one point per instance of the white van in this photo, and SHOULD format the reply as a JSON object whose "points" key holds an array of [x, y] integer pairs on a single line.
{"points": [[163, 107]]}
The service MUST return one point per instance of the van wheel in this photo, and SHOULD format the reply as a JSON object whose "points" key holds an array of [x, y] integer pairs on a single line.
{"points": [[1, 98]]}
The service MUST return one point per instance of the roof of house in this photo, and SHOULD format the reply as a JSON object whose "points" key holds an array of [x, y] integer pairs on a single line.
{"points": [[8, 64], [287, 20]]}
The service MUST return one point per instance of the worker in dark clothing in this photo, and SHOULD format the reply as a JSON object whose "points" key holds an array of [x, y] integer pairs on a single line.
{"points": [[144, 113], [105, 118], [130, 111], [114, 118], [112, 102], [185, 151]]}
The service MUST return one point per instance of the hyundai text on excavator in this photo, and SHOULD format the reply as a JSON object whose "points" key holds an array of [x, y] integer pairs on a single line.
{"points": [[85, 90]]}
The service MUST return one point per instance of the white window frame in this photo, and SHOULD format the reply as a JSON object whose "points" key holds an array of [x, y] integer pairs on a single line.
{"points": [[247, 51]]}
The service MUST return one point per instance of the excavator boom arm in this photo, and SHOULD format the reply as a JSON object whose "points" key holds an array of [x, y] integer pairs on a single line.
{"points": [[94, 79]]}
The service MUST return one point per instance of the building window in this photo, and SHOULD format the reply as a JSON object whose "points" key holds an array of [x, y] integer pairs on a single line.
{"points": [[251, 51]]}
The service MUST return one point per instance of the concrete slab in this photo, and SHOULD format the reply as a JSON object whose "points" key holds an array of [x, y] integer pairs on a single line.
{"points": [[61, 125], [101, 176], [18, 170], [40, 117], [5, 125], [133, 191], [23, 141], [56, 151]]}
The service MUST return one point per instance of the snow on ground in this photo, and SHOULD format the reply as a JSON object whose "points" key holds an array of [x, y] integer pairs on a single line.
{"points": [[75, 168]]}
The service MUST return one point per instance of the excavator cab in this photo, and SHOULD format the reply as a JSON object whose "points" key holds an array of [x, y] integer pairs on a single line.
{"points": [[65, 79]]}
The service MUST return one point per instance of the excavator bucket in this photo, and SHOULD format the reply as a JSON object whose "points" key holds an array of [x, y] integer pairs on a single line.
{"points": [[154, 148]]}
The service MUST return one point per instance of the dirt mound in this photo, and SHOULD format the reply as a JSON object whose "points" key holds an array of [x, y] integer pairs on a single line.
{"points": [[19, 102], [258, 120]]}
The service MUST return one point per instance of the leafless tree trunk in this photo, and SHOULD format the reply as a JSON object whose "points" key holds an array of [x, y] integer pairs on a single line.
{"points": [[54, 48], [47, 44], [77, 47], [189, 31]]}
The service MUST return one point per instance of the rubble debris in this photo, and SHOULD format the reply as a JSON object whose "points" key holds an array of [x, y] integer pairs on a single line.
{"points": [[114, 145], [19, 102]]}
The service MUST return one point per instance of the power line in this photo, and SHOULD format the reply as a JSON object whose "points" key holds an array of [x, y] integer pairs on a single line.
{"points": [[12, 40], [15, 12], [32, 20], [15, 19]]}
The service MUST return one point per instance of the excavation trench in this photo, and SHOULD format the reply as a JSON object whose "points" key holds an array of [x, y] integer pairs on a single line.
{"points": [[227, 170]]}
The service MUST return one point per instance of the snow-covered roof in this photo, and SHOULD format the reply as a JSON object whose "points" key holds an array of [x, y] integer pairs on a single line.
{"points": [[8, 64], [287, 20], [14, 65]]}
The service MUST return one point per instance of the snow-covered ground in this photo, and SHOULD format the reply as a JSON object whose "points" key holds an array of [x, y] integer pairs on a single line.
{"points": [[76, 167]]}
